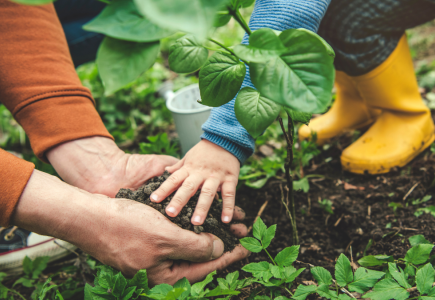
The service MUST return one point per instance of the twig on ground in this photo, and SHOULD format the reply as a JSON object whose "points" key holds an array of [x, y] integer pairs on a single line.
{"points": [[260, 211], [80, 261], [410, 191], [369, 210], [338, 221]]}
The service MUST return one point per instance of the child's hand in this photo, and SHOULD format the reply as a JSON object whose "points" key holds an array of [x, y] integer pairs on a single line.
{"points": [[206, 166]]}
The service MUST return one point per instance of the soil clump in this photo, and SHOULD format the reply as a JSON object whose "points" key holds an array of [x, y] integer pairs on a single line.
{"points": [[212, 223]]}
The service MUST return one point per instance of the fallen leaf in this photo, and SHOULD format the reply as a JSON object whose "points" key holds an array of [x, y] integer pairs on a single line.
{"points": [[348, 186]]}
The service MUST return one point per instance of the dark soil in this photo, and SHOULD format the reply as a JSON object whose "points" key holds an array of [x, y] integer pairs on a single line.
{"points": [[212, 223], [361, 211]]}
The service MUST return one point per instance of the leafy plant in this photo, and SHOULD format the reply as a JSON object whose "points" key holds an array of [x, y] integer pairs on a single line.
{"points": [[326, 205], [32, 270], [159, 144]]}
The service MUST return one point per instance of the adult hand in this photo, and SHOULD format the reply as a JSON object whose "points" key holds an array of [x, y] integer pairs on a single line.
{"points": [[97, 165], [122, 233], [206, 166]]}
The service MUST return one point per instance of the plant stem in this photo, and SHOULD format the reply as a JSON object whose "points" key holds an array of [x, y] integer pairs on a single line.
{"points": [[270, 257], [239, 18], [288, 163], [288, 291], [226, 48]]}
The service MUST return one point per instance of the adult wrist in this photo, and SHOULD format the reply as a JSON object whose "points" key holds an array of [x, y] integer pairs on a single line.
{"points": [[83, 162]]}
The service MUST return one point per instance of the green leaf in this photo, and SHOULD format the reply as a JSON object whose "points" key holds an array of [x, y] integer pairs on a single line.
{"points": [[417, 240], [33, 2], [275, 270], [324, 291], [218, 291], [419, 254], [410, 270], [281, 298], [425, 279], [3, 275], [199, 286], [183, 283], [398, 275], [223, 284], [344, 297], [343, 271], [291, 273], [251, 244], [88, 292], [303, 291], [256, 267], [298, 116], [232, 279], [255, 112], [119, 286], [302, 77], [121, 62], [121, 19], [364, 279], [105, 276], [163, 288], [221, 19], [140, 280], [321, 275], [387, 289], [372, 261], [302, 184], [246, 3], [431, 292], [268, 236], [27, 266], [39, 264], [220, 79], [264, 44], [287, 256], [192, 16], [24, 282], [128, 293], [258, 229], [186, 55]]}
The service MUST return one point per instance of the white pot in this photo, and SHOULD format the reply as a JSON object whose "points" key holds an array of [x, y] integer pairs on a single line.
{"points": [[188, 115]]}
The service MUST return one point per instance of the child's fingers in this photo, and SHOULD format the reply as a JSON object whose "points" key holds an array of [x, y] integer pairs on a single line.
{"points": [[205, 200], [183, 195], [169, 186], [228, 200]]}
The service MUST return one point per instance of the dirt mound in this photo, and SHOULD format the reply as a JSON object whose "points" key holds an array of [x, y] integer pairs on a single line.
{"points": [[212, 223]]}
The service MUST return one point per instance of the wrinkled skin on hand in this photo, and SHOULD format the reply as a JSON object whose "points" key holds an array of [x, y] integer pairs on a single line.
{"points": [[122, 233]]}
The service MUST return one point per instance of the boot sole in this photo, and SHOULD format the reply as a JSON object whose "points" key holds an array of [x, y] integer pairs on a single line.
{"points": [[356, 168]]}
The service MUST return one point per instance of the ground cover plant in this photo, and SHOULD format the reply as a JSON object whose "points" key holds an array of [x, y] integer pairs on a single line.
{"points": [[362, 223]]}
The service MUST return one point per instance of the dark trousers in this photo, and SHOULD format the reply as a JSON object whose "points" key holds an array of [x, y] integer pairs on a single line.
{"points": [[73, 14], [364, 33]]}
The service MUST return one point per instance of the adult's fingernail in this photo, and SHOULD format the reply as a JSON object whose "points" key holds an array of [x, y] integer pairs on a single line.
{"points": [[197, 219], [218, 249], [226, 219], [171, 210], [154, 197]]}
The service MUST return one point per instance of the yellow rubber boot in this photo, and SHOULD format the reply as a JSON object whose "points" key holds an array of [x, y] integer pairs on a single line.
{"points": [[349, 112], [405, 127]]}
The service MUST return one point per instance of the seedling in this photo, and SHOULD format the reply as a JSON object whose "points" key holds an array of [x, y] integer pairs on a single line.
{"points": [[326, 205]]}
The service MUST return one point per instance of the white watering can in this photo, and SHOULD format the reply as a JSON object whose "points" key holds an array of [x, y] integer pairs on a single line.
{"points": [[187, 113]]}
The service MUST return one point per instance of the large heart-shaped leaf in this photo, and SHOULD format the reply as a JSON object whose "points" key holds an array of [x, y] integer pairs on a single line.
{"points": [[121, 62], [220, 79], [255, 112], [122, 20], [264, 44], [192, 16], [302, 77], [187, 55]]}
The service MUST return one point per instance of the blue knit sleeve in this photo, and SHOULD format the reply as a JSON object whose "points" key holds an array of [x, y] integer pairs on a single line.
{"points": [[222, 127]]}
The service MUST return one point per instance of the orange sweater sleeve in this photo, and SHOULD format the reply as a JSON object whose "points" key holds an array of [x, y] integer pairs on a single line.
{"points": [[38, 82], [39, 85], [14, 175]]}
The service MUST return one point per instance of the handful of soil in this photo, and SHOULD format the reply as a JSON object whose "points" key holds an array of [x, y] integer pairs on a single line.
{"points": [[212, 223]]}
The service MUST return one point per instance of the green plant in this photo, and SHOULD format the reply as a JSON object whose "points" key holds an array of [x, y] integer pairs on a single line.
{"points": [[159, 144], [326, 205], [32, 270]]}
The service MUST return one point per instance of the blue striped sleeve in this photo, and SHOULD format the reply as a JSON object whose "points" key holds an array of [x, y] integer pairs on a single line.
{"points": [[222, 127]]}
